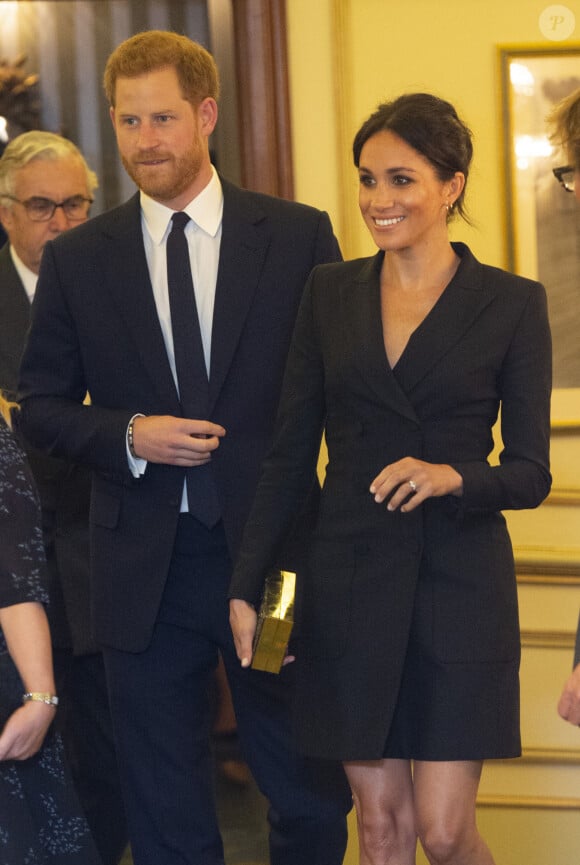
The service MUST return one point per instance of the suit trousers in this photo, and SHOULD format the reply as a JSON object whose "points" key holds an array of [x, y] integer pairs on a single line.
{"points": [[161, 714]]}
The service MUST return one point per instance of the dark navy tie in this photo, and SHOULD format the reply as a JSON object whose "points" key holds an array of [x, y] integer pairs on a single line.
{"points": [[190, 365]]}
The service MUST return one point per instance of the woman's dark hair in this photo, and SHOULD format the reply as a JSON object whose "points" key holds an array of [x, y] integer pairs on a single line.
{"points": [[430, 125]]}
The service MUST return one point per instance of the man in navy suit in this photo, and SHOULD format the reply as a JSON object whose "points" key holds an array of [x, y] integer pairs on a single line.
{"points": [[46, 188], [172, 485]]}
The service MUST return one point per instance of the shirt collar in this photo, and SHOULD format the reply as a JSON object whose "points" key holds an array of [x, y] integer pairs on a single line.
{"points": [[205, 211], [27, 276]]}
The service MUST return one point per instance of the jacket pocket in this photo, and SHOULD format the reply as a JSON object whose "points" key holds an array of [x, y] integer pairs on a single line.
{"points": [[475, 604]]}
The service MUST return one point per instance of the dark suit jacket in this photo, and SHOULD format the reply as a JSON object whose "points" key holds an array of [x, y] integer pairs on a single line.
{"points": [[64, 488], [14, 322], [445, 571], [95, 328]]}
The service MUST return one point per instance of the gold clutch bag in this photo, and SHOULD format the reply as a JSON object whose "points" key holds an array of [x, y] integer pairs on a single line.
{"points": [[275, 620]]}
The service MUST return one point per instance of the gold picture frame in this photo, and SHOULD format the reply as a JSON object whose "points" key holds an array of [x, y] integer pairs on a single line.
{"points": [[542, 219]]}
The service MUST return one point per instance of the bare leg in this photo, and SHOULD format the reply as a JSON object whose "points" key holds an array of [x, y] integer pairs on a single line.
{"points": [[445, 795], [383, 797]]}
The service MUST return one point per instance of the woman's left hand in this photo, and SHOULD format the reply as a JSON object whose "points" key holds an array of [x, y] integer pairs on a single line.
{"points": [[409, 481], [243, 622], [24, 731]]}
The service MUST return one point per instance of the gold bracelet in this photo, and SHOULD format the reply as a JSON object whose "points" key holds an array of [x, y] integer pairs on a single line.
{"points": [[40, 697]]}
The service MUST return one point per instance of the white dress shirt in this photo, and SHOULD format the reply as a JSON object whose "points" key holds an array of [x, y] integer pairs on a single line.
{"points": [[203, 233]]}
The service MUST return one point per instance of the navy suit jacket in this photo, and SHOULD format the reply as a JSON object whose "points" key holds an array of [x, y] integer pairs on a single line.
{"points": [[95, 328], [14, 322]]}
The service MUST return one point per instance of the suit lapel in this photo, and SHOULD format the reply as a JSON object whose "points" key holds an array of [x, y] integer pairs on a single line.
{"points": [[14, 321], [13, 299], [126, 268], [243, 248]]}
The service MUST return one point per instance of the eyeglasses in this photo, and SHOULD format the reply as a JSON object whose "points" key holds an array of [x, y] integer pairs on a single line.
{"points": [[565, 175], [39, 209]]}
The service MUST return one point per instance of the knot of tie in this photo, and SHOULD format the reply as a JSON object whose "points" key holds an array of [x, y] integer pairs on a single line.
{"points": [[180, 219]]}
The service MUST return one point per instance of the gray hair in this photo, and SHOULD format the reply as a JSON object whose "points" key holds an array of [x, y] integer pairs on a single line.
{"points": [[34, 145]]}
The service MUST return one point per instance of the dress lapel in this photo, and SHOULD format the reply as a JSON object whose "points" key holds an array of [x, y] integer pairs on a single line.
{"points": [[458, 307], [362, 304], [454, 313]]}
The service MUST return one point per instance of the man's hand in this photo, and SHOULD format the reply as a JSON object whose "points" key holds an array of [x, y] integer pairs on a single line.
{"points": [[569, 703], [243, 621], [175, 441]]}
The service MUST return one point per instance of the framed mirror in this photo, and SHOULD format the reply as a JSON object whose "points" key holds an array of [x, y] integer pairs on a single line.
{"points": [[543, 220]]}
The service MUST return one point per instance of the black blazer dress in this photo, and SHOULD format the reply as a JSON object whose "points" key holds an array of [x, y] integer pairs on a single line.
{"points": [[409, 642]]}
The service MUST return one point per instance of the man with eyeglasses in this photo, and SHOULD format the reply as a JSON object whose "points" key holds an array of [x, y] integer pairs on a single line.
{"points": [[46, 188], [564, 122], [566, 177]]}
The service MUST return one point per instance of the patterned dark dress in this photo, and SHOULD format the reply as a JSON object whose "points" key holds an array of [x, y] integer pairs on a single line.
{"points": [[41, 822]]}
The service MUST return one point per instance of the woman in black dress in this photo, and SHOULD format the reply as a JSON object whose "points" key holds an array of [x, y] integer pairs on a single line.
{"points": [[408, 652], [40, 819]]}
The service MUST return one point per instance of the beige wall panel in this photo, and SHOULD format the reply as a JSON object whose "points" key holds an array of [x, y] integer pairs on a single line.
{"points": [[543, 673], [536, 837], [518, 836], [553, 783], [565, 472], [549, 608], [550, 527]]}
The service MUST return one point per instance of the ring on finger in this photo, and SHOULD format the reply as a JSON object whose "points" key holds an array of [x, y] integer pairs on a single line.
{"points": [[413, 486]]}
